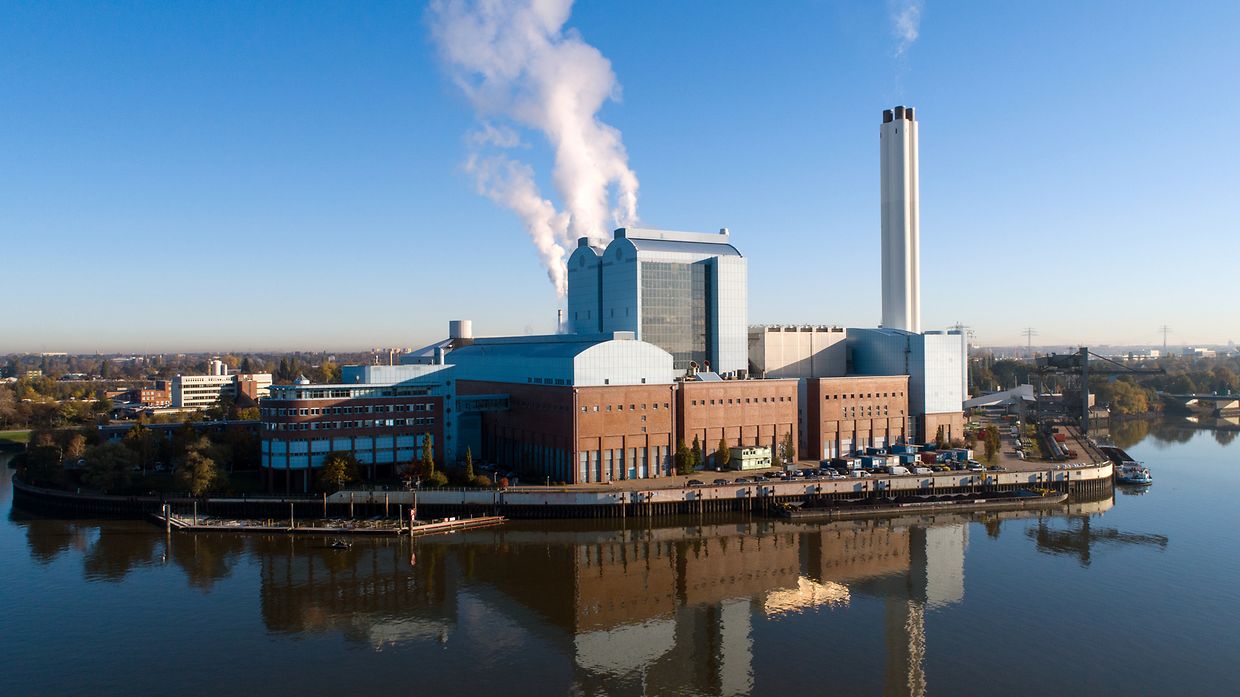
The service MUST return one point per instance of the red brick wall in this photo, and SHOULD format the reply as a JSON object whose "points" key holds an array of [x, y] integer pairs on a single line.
{"points": [[741, 412], [854, 408]]}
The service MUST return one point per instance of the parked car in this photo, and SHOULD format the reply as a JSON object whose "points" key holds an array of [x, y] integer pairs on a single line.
{"points": [[695, 482], [743, 480], [721, 482]]}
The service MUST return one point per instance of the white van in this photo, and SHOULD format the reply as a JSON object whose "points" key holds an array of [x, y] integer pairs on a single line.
{"points": [[897, 469], [922, 470]]}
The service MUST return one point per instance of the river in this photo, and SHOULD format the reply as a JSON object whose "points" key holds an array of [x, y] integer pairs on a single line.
{"points": [[1133, 595]]}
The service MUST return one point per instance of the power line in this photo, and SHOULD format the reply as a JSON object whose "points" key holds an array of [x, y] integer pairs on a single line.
{"points": [[1165, 331], [1029, 333]]}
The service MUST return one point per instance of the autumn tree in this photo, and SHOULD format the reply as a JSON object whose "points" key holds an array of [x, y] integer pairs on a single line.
{"points": [[198, 472], [339, 468], [723, 455]]}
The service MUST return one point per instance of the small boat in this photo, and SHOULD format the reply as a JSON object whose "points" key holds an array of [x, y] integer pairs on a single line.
{"points": [[1133, 473], [340, 544]]}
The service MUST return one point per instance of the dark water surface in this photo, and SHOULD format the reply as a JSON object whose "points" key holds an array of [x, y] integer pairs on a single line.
{"points": [[1139, 595]]}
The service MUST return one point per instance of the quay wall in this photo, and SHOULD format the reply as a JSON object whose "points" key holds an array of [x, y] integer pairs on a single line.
{"points": [[1087, 483]]}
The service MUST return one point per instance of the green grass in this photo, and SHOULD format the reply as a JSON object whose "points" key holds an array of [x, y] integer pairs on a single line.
{"points": [[22, 437]]}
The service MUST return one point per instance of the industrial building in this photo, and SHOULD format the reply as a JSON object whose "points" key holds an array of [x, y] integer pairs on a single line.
{"points": [[933, 363], [655, 351], [685, 292]]}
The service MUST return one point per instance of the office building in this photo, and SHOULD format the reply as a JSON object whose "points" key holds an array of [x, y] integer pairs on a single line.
{"points": [[685, 292], [381, 415], [202, 391]]}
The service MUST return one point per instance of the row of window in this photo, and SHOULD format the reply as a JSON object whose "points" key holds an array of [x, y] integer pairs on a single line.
{"points": [[546, 381], [870, 395], [738, 400], [620, 407], [865, 411], [365, 409], [364, 423], [288, 392]]}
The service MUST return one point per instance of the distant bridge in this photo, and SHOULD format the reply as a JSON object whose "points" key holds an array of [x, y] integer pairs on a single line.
{"points": [[1209, 404]]}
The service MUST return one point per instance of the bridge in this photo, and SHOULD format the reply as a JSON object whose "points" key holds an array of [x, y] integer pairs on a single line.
{"points": [[1216, 405]]}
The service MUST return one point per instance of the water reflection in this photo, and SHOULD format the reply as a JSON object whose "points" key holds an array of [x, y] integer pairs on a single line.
{"points": [[648, 610], [1080, 537]]}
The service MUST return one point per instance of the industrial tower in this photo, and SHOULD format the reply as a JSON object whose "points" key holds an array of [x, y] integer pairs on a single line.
{"points": [[901, 221]]}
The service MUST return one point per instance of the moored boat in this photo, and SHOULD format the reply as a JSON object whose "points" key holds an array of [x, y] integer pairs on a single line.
{"points": [[1133, 473]]}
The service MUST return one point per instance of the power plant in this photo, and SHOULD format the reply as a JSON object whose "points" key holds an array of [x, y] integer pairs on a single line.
{"points": [[654, 353]]}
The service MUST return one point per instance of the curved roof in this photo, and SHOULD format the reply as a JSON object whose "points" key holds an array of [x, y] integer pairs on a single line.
{"points": [[718, 249]]}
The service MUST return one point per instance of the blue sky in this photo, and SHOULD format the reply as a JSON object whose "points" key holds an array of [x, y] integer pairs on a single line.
{"points": [[245, 176]]}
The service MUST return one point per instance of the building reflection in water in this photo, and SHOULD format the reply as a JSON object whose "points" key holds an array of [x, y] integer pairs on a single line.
{"points": [[634, 611]]}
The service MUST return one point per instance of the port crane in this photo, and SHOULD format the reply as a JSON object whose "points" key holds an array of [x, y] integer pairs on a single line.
{"points": [[1077, 365]]}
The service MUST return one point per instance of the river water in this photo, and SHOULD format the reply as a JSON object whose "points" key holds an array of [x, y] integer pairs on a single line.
{"points": [[1139, 594]]}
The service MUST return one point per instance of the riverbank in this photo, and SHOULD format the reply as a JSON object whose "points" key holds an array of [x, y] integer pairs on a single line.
{"points": [[1084, 481]]}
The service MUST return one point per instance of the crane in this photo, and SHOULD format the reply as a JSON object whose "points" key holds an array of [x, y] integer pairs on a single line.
{"points": [[1077, 364]]}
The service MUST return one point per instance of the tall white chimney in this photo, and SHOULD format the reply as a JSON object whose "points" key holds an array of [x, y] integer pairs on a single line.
{"points": [[901, 220]]}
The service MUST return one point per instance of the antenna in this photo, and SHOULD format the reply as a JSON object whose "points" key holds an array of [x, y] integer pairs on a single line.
{"points": [[1165, 331]]}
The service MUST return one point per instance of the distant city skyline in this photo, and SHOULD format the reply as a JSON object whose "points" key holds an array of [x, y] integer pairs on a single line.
{"points": [[230, 177]]}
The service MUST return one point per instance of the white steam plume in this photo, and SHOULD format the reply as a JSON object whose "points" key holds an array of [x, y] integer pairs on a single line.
{"points": [[905, 23], [515, 62]]}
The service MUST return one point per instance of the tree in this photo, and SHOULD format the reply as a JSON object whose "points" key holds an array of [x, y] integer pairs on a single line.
{"points": [[697, 453], [199, 474], [75, 449], [427, 463], [107, 467], [991, 443], [469, 465], [44, 464], [723, 455], [338, 469], [327, 373], [141, 442], [789, 453], [939, 440], [684, 458]]}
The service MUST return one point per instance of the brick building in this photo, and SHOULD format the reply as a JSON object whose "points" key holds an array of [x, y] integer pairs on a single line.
{"points": [[383, 425], [741, 412], [854, 412]]}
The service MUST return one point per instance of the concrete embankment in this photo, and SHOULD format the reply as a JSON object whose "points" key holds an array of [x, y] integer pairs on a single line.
{"points": [[1084, 482]]}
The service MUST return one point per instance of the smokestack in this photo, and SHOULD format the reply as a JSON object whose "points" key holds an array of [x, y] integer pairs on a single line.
{"points": [[559, 321], [901, 220]]}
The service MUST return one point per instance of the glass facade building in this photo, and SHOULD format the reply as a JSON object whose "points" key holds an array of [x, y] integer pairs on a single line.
{"points": [[684, 292]]}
